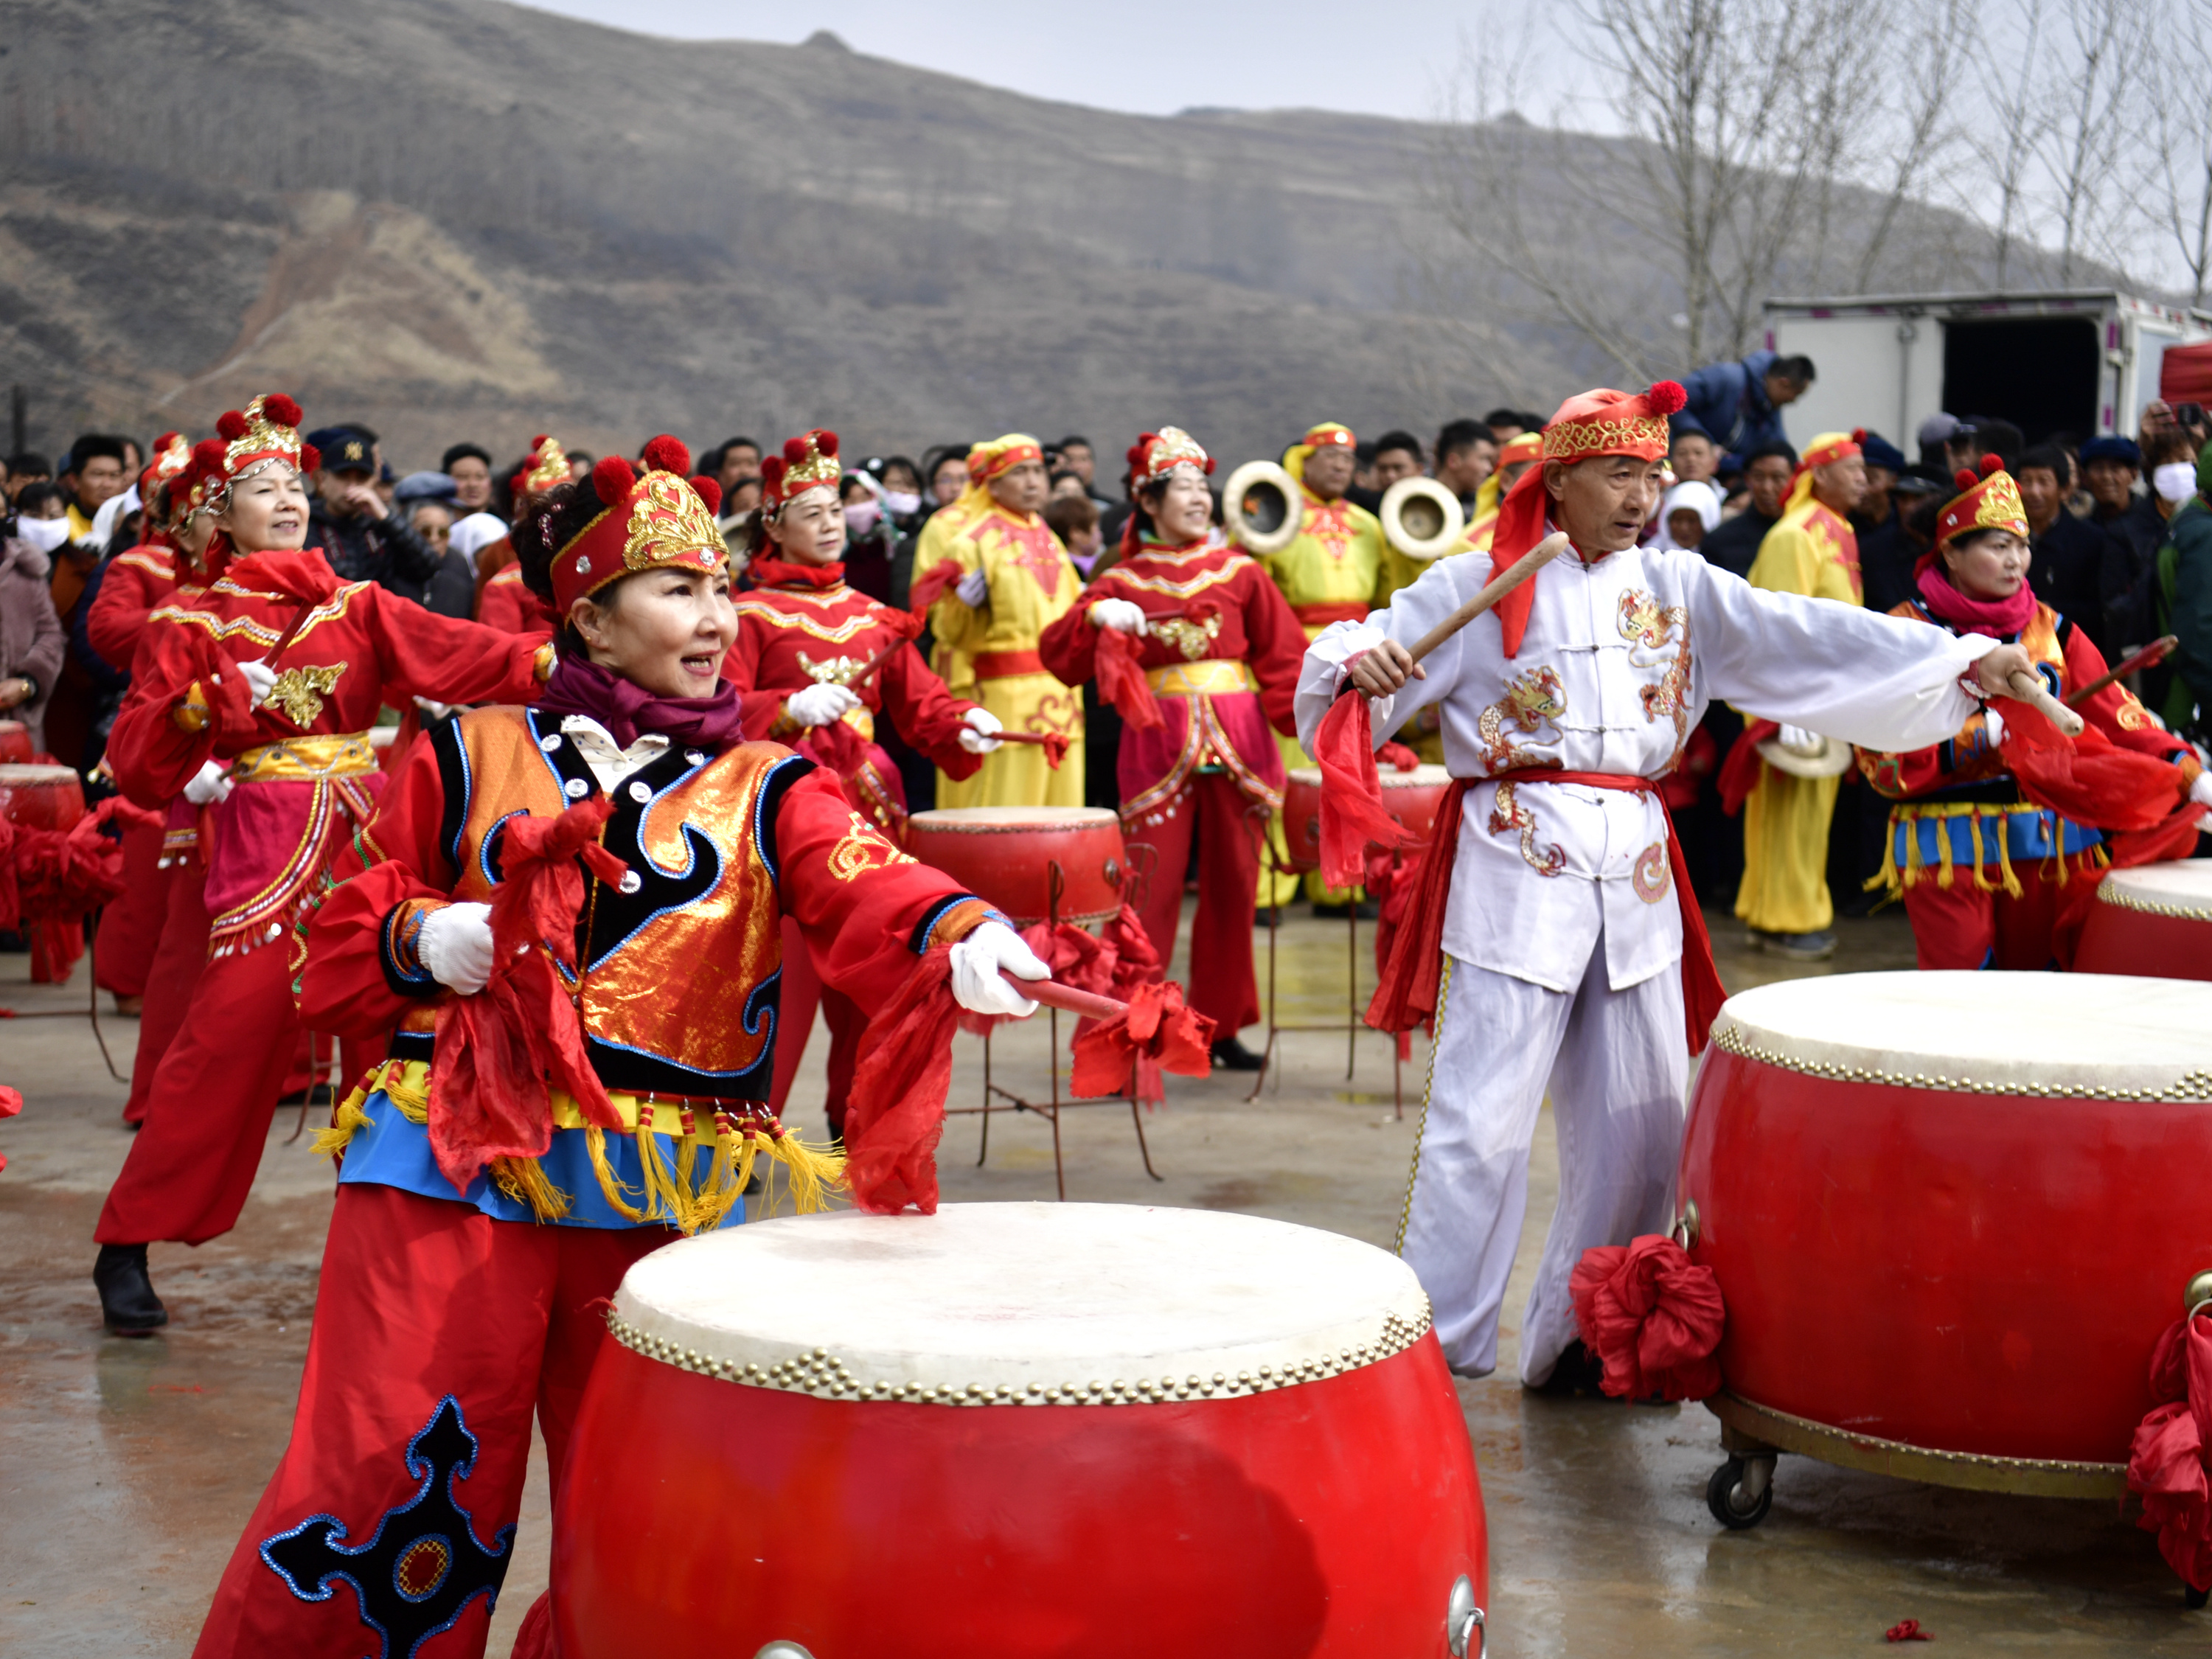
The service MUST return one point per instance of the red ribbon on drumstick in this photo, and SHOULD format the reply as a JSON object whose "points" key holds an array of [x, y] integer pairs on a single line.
{"points": [[930, 586], [1054, 743]]}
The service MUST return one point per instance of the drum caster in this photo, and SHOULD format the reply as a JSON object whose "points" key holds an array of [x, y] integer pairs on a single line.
{"points": [[1742, 1492]]}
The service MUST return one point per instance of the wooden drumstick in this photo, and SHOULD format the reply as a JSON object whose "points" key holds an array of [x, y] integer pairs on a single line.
{"points": [[1054, 994], [2030, 691], [1497, 587], [2150, 657]]}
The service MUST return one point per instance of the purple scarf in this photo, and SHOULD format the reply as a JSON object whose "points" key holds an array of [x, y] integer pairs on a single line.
{"points": [[2002, 618], [625, 709]]}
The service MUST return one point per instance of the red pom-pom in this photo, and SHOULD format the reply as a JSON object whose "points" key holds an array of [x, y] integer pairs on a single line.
{"points": [[281, 409], [1665, 397], [1858, 434], [232, 425], [667, 454], [772, 471], [611, 479], [207, 455], [1964, 478], [1992, 463], [794, 451], [709, 492], [311, 459], [537, 443], [826, 442], [165, 440]]}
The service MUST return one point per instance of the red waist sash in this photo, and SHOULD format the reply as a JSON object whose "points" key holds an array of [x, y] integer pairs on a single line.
{"points": [[1005, 665], [1323, 612], [1410, 980]]}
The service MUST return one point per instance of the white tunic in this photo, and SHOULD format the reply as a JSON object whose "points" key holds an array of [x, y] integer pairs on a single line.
{"points": [[1619, 658]]}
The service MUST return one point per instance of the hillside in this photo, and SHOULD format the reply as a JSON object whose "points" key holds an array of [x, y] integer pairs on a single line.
{"points": [[473, 219]]}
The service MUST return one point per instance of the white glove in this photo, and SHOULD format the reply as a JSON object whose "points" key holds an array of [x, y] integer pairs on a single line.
{"points": [[455, 946], [210, 785], [436, 711], [1992, 727], [260, 677], [819, 705], [981, 734], [2200, 795], [1122, 616], [973, 589], [1798, 740], [976, 960]]}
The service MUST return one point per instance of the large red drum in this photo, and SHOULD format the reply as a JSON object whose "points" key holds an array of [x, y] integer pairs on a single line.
{"points": [[15, 744], [1006, 855], [1020, 1429], [1950, 1214], [1412, 798], [2152, 918], [42, 797]]}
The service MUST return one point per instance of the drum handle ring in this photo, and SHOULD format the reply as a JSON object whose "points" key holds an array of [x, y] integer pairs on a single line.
{"points": [[2197, 1297], [1686, 1230], [1467, 1632]]}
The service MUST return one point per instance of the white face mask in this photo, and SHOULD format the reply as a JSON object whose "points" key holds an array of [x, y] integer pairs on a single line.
{"points": [[898, 503], [2175, 481], [44, 534], [860, 516]]}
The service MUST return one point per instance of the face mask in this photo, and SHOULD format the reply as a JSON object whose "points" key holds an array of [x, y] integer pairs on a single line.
{"points": [[860, 517], [44, 534], [2175, 481], [898, 503]]}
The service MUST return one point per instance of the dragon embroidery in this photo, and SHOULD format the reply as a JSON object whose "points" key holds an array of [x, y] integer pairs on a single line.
{"points": [[1646, 624], [1532, 703], [1508, 814]]}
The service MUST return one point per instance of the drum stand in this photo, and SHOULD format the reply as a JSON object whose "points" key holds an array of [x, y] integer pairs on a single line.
{"points": [[1133, 890], [92, 1006], [1352, 1025]]}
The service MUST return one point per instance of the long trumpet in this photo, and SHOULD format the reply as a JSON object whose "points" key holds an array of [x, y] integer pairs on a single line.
{"points": [[1422, 519], [1261, 506]]}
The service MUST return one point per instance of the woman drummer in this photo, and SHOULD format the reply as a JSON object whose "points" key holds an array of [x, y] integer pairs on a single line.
{"points": [[1980, 867], [1220, 649], [479, 1228], [805, 665]]}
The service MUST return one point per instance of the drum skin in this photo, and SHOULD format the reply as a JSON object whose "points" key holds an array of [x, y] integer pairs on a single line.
{"points": [[1411, 798], [2122, 938], [704, 1518], [1004, 854], [1981, 1272], [41, 797], [15, 744]]}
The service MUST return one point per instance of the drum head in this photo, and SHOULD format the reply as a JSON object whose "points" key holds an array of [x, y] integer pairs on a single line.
{"points": [[1014, 818], [1424, 776], [2062, 1033], [35, 777], [1034, 1303], [2182, 889]]}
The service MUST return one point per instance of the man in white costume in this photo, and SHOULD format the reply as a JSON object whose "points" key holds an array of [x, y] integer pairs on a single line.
{"points": [[1564, 921]]}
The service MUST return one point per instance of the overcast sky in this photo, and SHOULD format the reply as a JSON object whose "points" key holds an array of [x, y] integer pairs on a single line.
{"points": [[1394, 59]]}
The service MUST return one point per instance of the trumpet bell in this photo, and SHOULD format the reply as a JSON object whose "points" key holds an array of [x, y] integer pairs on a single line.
{"points": [[1422, 519], [1261, 506]]}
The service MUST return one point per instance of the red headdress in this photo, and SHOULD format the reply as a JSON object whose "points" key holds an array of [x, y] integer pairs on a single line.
{"points": [[808, 463], [1158, 454], [264, 433], [171, 455], [987, 461], [1600, 422], [1989, 500], [657, 520], [548, 465]]}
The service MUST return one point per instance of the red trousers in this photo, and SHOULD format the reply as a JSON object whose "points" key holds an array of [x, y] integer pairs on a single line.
{"points": [[438, 1332], [803, 991], [1212, 808], [207, 1112], [1964, 927], [130, 927], [173, 976]]}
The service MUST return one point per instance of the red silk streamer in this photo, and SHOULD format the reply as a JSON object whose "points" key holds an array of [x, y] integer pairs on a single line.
{"points": [[1907, 1630], [1121, 682], [1393, 879], [11, 1102], [836, 745], [1352, 813], [2166, 1465], [1740, 772], [897, 1110], [1157, 1027], [931, 586], [1652, 1316], [1054, 743], [499, 1052], [58, 875], [1397, 757]]}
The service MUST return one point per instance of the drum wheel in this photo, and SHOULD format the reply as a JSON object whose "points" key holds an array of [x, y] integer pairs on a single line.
{"points": [[1738, 1502]]}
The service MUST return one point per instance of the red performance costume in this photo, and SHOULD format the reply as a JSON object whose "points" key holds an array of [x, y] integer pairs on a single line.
{"points": [[799, 627], [303, 776], [1986, 869], [597, 1082], [1216, 664]]}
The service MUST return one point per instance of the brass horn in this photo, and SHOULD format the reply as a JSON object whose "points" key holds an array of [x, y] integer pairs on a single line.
{"points": [[1422, 519], [1262, 507]]}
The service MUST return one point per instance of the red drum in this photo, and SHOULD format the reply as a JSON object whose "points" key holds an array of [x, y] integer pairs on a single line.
{"points": [[1020, 1429], [43, 797], [1950, 1214], [1412, 798], [1006, 855], [15, 744], [2154, 919]]}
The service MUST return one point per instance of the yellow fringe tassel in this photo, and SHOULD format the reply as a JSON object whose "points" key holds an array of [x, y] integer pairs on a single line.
{"points": [[616, 1195], [1974, 830], [811, 1173], [525, 1181], [2004, 862], [1943, 854], [348, 1118]]}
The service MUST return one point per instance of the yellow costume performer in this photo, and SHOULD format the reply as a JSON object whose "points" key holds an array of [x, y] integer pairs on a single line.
{"points": [[1812, 550], [987, 650]]}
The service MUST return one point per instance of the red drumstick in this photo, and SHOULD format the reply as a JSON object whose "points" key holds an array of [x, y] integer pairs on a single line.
{"points": [[2148, 657], [1055, 743], [1054, 994]]}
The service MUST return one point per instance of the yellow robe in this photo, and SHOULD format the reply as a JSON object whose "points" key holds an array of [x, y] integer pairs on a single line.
{"points": [[1810, 550], [1033, 584]]}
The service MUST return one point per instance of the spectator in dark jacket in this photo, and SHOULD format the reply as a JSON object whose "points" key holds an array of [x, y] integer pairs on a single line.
{"points": [[2066, 558], [2113, 467], [366, 540], [1888, 550], [1766, 472], [1740, 404], [2182, 690]]}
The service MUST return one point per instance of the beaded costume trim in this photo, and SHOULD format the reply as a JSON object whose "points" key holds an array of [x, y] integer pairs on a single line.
{"points": [[1730, 1039]]}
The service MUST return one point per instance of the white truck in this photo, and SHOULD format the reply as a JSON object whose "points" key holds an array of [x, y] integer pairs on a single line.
{"points": [[2078, 363]]}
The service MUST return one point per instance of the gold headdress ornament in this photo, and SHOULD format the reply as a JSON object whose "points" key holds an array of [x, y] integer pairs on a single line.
{"points": [[661, 520], [548, 465]]}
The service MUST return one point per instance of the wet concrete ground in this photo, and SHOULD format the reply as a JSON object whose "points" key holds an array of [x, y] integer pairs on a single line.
{"points": [[128, 1468]]}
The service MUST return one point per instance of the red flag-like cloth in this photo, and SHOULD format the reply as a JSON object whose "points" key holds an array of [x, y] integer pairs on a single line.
{"points": [[897, 1110], [931, 585], [1157, 1027], [1121, 681], [501, 1052], [2166, 1465], [1740, 771], [1352, 811], [1652, 1316], [11, 1102]]}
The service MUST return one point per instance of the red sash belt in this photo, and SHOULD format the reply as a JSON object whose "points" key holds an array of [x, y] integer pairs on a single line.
{"points": [[1321, 614], [1410, 980], [1004, 665]]}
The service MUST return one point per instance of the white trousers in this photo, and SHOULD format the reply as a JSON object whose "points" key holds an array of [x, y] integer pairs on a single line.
{"points": [[1617, 1069]]}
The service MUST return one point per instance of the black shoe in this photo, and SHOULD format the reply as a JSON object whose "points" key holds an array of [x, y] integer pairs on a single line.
{"points": [[127, 1301], [1579, 1374], [1231, 1055], [1366, 911]]}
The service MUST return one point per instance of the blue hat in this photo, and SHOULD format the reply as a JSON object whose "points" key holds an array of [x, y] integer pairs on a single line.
{"points": [[343, 449], [1880, 451], [1680, 422], [425, 487], [2110, 448]]}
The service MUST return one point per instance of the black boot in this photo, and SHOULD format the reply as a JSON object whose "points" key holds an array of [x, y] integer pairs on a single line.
{"points": [[1231, 1055], [127, 1301], [1579, 1375]]}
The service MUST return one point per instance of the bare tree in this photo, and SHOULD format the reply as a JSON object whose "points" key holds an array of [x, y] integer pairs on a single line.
{"points": [[2182, 91], [2090, 136], [2019, 117], [1924, 135]]}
